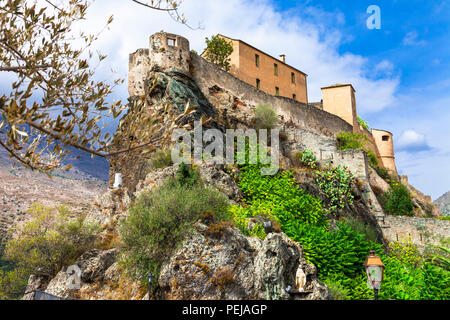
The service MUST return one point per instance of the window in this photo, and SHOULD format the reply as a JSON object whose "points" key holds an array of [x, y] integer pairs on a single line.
{"points": [[292, 77], [170, 42], [258, 83], [257, 60], [385, 138], [294, 97], [275, 69], [277, 91]]}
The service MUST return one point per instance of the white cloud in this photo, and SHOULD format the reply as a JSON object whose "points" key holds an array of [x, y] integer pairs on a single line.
{"points": [[412, 141], [410, 39], [307, 46]]}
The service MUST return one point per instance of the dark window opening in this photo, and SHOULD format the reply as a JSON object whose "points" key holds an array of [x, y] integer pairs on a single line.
{"points": [[294, 97], [292, 77], [277, 91], [257, 60], [258, 83], [385, 138], [275, 69]]}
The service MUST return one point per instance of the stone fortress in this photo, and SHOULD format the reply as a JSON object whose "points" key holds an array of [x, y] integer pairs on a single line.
{"points": [[286, 85], [168, 72]]}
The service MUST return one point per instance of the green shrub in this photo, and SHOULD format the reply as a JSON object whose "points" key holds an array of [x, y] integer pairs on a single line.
{"points": [[341, 251], [161, 220], [218, 51], [336, 184], [278, 197], [161, 159], [13, 284], [265, 117], [45, 244], [50, 240], [351, 140], [373, 161], [406, 252], [436, 283], [363, 228], [438, 256], [186, 175], [309, 159], [397, 201], [343, 287], [363, 123], [337, 290], [383, 173]]}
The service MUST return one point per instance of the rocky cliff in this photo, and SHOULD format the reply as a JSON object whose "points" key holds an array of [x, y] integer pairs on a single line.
{"points": [[443, 203]]}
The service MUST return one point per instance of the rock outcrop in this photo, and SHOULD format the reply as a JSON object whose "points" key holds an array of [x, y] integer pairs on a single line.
{"points": [[218, 262], [211, 174], [443, 204]]}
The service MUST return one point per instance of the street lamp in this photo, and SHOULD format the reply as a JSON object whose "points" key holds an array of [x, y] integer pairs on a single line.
{"points": [[374, 270], [149, 277]]}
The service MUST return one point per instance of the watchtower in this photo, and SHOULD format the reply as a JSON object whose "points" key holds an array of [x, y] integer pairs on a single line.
{"points": [[166, 51]]}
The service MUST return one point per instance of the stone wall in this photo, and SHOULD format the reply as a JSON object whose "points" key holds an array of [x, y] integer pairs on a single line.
{"points": [[308, 117], [325, 150], [421, 230]]}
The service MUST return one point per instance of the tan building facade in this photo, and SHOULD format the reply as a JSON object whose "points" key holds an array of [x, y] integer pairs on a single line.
{"points": [[339, 99], [265, 72], [385, 145]]}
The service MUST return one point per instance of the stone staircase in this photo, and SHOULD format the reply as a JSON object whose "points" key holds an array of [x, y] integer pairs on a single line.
{"points": [[372, 202]]}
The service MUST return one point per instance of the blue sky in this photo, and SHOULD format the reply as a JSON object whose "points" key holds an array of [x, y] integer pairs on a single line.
{"points": [[401, 72], [413, 45]]}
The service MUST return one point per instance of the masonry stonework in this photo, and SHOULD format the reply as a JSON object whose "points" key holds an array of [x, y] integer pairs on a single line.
{"points": [[273, 75], [385, 145]]}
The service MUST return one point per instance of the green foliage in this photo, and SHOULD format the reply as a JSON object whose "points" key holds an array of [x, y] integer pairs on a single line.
{"points": [[13, 284], [446, 218], [397, 201], [279, 197], [50, 240], [337, 289], [336, 183], [436, 283], [265, 117], [407, 276], [42, 246], [240, 216], [159, 221], [309, 159], [405, 282], [373, 161], [186, 175], [345, 288], [400, 282], [218, 51], [351, 140], [161, 159], [363, 123], [363, 228], [406, 252], [438, 256], [383, 173], [341, 251]]}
